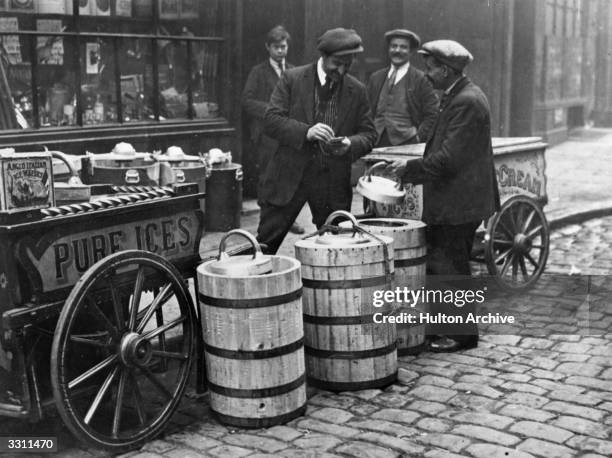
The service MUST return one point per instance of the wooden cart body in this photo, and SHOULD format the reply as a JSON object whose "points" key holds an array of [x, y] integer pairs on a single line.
{"points": [[520, 166], [46, 254]]}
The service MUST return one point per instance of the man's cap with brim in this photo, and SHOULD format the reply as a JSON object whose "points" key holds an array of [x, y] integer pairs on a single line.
{"points": [[412, 37], [448, 52], [339, 42]]}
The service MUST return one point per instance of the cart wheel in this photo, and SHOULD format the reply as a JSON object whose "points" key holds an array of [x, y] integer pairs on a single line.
{"points": [[517, 243], [122, 350]]}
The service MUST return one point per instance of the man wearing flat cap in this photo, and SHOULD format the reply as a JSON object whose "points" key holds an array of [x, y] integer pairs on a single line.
{"points": [[321, 118], [404, 105], [459, 184]]}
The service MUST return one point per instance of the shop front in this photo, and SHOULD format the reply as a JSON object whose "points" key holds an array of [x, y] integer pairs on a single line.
{"points": [[83, 75]]}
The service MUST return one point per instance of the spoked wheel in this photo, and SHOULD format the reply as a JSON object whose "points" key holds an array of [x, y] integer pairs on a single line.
{"points": [[122, 350], [517, 243]]}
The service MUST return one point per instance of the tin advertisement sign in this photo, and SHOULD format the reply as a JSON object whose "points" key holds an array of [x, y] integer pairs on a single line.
{"points": [[27, 182]]}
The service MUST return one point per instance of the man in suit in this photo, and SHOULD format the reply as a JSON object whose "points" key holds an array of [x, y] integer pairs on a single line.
{"points": [[404, 105], [321, 118], [459, 183], [257, 90]]}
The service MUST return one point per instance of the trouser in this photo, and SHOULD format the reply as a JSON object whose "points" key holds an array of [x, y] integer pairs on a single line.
{"points": [[448, 271], [324, 194], [264, 156]]}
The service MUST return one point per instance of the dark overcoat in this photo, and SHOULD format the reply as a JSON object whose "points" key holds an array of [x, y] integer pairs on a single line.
{"points": [[257, 91], [457, 172], [422, 102], [289, 116]]}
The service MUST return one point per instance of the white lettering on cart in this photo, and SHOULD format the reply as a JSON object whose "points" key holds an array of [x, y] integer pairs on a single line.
{"points": [[166, 237], [507, 176]]}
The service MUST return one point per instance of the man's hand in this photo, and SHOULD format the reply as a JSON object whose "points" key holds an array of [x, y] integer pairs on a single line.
{"points": [[320, 132], [339, 148], [395, 169]]}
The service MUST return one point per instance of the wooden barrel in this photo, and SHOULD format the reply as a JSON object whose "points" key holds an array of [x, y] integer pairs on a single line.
{"points": [[345, 349], [410, 253], [254, 343]]}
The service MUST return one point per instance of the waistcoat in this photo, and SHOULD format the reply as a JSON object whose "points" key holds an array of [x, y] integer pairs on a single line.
{"points": [[392, 113]]}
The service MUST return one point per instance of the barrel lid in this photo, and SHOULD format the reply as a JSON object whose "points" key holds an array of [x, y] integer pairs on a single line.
{"points": [[344, 239], [119, 157], [241, 266], [389, 223], [225, 167], [124, 148], [380, 189], [176, 154], [183, 158]]}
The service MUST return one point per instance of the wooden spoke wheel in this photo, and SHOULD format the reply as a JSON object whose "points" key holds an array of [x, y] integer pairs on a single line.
{"points": [[517, 243], [123, 349]]}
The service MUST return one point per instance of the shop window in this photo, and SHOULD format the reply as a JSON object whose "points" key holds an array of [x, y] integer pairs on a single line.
{"points": [[66, 63]]}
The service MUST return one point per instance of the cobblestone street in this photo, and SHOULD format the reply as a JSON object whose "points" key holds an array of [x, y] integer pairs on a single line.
{"points": [[514, 396], [543, 389]]}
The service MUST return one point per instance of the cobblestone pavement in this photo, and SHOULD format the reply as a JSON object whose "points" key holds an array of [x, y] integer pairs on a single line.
{"points": [[543, 389]]}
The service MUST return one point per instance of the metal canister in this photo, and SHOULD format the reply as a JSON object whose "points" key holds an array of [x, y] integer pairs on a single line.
{"points": [[224, 197]]}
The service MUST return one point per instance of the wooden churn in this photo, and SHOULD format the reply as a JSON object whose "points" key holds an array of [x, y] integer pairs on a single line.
{"points": [[409, 253], [253, 336], [345, 349]]}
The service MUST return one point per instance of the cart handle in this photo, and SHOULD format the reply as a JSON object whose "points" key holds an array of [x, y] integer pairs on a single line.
{"points": [[247, 235]]}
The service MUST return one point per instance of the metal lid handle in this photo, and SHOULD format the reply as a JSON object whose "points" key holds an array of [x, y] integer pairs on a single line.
{"points": [[398, 182], [375, 166], [74, 175], [333, 216], [246, 235]]}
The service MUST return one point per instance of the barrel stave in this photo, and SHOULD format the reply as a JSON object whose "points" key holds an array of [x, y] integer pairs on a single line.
{"points": [[409, 252]]}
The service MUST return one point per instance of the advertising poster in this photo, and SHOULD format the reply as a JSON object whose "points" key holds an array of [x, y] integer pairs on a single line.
{"points": [[23, 6], [101, 7], [169, 9], [11, 44], [189, 9], [123, 8], [53, 6], [92, 57], [50, 50]]}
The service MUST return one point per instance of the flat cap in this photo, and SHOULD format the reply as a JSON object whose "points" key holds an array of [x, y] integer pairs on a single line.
{"points": [[339, 42], [404, 33], [448, 52]]}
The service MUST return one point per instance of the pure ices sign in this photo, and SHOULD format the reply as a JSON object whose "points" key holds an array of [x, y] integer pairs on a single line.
{"points": [[59, 260]]}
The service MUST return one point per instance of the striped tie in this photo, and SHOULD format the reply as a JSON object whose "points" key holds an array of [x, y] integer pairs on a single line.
{"points": [[392, 76]]}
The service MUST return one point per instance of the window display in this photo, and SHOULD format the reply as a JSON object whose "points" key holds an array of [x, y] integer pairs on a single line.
{"points": [[110, 63]]}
